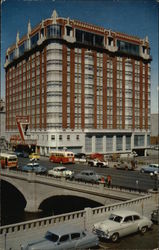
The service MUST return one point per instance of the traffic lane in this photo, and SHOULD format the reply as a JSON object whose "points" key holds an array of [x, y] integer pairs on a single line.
{"points": [[126, 178], [131, 179], [148, 241]]}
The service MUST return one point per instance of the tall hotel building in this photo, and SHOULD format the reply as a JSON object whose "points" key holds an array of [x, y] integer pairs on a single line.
{"points": [[83, 87]]}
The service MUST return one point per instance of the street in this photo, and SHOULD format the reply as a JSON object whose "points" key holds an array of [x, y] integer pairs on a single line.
{"points": [[136, 241], [122, 178]]}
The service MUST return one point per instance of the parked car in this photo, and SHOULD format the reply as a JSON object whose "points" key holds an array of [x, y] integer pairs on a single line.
{"points": [[64, 237], [97, 163], [61, 172], [88, 176], [155, 216], [34, 156], [33, 167], [121, 223], [151, 168]]}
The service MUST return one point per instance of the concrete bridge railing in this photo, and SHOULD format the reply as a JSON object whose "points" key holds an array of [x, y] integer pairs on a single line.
{"points": [[14, 235]]}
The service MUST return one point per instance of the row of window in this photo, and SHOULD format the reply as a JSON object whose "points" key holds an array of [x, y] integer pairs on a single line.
{"points": [[60, 137], [84, 37]]}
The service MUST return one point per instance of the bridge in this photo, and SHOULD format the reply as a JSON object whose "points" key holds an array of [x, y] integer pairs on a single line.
{"points": [[13, 236], [37, 188]]}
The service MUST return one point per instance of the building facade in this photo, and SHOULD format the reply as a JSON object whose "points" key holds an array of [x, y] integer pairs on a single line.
{"points": [[83, 87], [154, 129], [2, 118]]}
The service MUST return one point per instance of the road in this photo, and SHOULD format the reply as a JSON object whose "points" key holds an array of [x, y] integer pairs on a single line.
{"points": [[123, 178], [137, 241]]}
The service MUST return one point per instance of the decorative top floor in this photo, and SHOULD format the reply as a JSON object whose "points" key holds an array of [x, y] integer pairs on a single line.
{"points": [[73, 31]]}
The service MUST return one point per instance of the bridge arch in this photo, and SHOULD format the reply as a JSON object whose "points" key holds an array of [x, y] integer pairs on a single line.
{"points": [[55, 204], [16, 185], [64, 192]]}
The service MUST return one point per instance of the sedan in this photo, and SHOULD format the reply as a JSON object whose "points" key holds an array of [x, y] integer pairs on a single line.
{"points": [[61, 172], [33, 167], [88, 176], [34, 156], [63, 237], [121, 223], [151, 168]]}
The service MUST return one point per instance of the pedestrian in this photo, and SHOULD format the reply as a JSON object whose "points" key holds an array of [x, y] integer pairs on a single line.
{"points": [[109, 180]]}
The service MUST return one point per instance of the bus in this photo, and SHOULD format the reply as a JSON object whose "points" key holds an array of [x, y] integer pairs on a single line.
{"points": [[61, 157], [8, 160]]}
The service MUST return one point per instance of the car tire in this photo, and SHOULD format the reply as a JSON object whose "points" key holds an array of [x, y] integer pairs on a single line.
{"points": [[143, 230], [115, 237]]}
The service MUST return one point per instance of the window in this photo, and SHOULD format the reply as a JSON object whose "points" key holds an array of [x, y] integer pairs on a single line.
{"points": [[128, 219], [12, 56], [75, 236], [52, 137], [109, 143], [110, 40], [54, 31], [128, 142], [99, 40], [60, 137], [128, 47], [77, 137], [79, 36], [139, 140], [34, 40], [119, 142], [22, 49], [64, 238], [89, 38], [136, 217], [68, 30], [68, 137]]}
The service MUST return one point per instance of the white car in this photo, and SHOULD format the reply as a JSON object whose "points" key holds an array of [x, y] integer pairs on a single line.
{"points": [[61, 172], [121, 223], [98, 163]]}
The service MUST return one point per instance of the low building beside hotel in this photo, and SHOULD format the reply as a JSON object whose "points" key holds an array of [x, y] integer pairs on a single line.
{"points": [[84, 88]]}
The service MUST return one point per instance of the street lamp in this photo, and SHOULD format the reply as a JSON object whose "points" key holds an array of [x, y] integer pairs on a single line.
{"points": [[155, 177]]}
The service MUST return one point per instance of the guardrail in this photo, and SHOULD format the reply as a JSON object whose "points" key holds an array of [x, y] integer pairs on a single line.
{"points": [[83, 216], [71, 181]]}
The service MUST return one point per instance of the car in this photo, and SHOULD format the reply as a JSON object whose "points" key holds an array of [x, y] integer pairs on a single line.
{"points": [[121, 223], [88, 176], [97, 163], [155, 216], [151, 168], [34, 156], [123, 165], [64, 236], [61, 172], [33, 167]]}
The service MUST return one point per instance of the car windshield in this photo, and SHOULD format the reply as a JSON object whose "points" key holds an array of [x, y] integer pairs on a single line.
{"points": [[115, 218], [52, 237]]}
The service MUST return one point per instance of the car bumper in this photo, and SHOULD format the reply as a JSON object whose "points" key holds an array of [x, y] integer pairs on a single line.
{"points": [[101, 234]]}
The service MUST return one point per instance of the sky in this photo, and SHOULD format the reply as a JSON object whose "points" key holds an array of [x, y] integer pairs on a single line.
{"points": [[134, 17]]}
